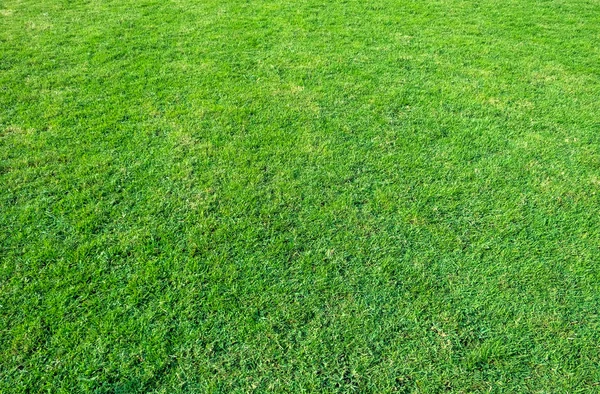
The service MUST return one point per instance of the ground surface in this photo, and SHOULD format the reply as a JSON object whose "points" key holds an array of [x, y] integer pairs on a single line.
{"points": [[316, 196]]}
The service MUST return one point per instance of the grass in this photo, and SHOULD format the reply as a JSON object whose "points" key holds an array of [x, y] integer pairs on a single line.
{"points": [[306, 196]]}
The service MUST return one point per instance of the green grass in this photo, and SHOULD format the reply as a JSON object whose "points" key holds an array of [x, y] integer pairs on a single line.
{"points": [[299, 196]]}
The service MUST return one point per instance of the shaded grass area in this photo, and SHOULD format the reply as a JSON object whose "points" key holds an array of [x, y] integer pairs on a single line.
{"points": [[265, 196]]}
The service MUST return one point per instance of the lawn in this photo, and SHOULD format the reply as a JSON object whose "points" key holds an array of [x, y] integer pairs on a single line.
{"points": [[299, 196]]}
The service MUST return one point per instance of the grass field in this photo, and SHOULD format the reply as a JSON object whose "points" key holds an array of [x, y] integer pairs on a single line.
{"points": [[299, 196]]}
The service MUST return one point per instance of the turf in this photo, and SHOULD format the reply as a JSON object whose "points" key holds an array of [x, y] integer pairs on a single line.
{"points": [[299, 196]]}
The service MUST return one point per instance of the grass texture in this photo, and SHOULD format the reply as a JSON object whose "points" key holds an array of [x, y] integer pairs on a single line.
{"points": [[299, 196]]}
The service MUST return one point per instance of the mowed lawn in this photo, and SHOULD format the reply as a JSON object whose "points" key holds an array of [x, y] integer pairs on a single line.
{"points": [[299, 196]]}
